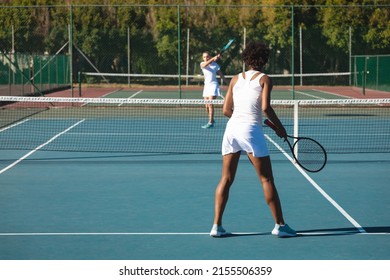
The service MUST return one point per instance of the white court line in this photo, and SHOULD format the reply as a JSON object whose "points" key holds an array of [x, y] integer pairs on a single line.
{"points": [[107, 94], [341, 233], [39, 147], [98, 233], [309, 95], [135, 94], [15, 124], [314, 184], [174, 233], [131, 134], [332, 93]]}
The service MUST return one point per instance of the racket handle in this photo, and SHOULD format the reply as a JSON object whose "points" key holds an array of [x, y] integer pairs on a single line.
{"points": [[270, 124]]}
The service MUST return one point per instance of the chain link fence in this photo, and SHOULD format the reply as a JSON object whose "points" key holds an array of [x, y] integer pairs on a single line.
{"points": [[371, 71], [43, 48]]}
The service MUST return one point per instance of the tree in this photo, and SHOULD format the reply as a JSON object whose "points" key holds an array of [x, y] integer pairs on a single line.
{"points": [[369, 25], [100, 31]]}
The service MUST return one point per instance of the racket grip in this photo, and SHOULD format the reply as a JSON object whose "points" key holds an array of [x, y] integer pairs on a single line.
{"points": [[270, 124]]}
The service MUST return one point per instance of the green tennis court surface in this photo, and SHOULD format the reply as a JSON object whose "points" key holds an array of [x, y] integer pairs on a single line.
{"points": [[193, 92]]}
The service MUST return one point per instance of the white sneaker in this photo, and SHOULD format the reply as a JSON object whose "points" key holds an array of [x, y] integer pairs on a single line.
{"points": [[283, 231], [218, 231], [208, 125]]}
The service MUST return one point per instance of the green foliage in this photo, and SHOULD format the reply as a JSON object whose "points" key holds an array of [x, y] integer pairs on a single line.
{"points": [[378, 33], [101, 31]]}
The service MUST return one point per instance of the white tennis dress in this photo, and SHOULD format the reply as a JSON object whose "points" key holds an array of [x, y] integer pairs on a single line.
{"points": [[211, 85], [244, 128]]}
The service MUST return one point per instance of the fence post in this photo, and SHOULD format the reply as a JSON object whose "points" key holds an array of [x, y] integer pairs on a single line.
{"points": [[300, 55], [350, 53], [128, 55], [178, 48], [71, 50], [292, 52]]}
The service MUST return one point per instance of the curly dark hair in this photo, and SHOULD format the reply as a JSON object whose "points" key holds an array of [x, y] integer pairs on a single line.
{"points": [[255, 55]]}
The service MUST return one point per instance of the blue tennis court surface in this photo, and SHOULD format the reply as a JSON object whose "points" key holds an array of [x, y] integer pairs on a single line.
{"points": [[124, 206], [138, 203]]}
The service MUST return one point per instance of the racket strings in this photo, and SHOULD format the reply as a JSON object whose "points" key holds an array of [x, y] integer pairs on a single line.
{"points": [[309, 154]]}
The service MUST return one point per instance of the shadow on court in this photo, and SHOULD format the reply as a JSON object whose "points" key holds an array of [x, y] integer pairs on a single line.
{"points": [[345, 231], [321, 232]]}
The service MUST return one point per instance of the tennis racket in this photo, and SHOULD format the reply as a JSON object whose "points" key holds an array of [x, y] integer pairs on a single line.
{"points": [[307, 152], [227, 46]]}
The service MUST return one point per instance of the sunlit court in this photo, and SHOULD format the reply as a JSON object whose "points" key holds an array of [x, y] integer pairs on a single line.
{"points": [[108, 154]]}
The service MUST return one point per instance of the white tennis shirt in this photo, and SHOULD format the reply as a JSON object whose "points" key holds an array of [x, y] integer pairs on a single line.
{"points": [[244, 129], [211, 85]]}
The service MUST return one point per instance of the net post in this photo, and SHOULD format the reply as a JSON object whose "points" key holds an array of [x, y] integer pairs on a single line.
{"points": [[296, 124], [364, 76], [79, 81], [364, 82]]}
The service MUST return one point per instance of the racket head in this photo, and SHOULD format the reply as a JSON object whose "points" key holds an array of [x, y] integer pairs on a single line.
{"points": [[309, 154], [224, 48]]}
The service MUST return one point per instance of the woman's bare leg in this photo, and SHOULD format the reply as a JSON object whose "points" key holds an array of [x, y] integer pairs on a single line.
{"points": [[229, 168], [263, 169]]}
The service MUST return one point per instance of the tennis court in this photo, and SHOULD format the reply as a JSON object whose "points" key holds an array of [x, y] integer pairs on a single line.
{"points": [[103, 156], [195, 92], [77, 185]]}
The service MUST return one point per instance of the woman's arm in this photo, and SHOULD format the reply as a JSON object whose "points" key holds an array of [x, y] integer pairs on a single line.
{"points": [[204, 64], [226, 81], [266, 84]]}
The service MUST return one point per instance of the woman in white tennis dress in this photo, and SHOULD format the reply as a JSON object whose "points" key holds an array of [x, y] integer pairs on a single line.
{"points": [[248, 96], [210, 69]]}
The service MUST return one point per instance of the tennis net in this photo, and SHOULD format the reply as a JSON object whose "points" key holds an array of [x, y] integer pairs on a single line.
{"points": [[126, 79], [175, 125]]}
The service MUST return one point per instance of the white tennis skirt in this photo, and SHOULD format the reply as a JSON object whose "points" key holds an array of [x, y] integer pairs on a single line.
{"points": [[244, 137], [211, 89]]}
